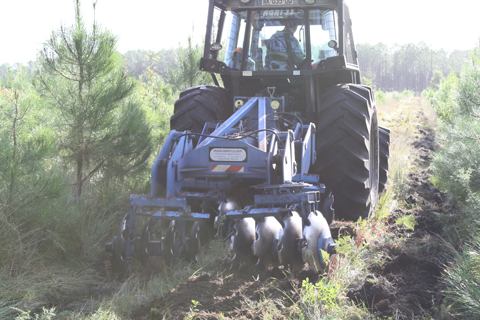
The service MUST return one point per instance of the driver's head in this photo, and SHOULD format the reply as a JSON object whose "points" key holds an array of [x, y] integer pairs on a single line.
{"points": [[291, 25]]}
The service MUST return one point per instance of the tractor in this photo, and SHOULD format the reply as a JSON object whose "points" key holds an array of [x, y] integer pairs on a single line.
{"points": [[285, 142]]}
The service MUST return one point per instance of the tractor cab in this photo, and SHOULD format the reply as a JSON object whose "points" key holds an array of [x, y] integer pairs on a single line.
{"points": [[290, 131], [296, 46]]}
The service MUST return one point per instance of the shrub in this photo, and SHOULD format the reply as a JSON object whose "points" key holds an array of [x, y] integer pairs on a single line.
{"points": [[380, 97], [444, 99], [463, 281], [395, 96], [457, 171], [456, 165], [407, 93]]}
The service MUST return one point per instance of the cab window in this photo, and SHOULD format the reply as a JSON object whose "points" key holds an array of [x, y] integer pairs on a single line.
{"points": [[278, 38], [323, 29], [235, 40]]}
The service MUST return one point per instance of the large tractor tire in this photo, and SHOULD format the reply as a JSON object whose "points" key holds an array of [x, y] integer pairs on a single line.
{"points": [[347, 146], [199, 105], [384, 140]]}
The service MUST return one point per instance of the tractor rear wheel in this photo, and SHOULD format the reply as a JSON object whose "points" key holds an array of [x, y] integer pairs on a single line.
{"points": [[347, 146], [197, 106], [384, 140]]}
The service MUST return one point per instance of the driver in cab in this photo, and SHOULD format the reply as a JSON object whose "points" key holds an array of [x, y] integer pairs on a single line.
{"points": [[284, 52]]}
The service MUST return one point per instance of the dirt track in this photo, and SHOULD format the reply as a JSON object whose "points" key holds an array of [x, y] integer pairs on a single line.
{"points": [[407, 284], [404, 286]]}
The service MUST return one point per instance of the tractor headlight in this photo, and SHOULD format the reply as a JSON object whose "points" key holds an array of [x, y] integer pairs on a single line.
{"points": [[239, 103], [245, 1], [309, 1], [275, 105]]}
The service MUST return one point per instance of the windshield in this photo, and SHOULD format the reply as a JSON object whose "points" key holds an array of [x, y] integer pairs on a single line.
{"points": [[277, 39]]}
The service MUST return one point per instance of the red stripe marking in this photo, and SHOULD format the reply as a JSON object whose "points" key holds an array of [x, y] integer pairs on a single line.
{"points": [[226, 168], [234, 169]]}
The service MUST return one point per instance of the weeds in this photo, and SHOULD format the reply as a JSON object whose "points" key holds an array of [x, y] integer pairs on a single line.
{"points": [[380, 97], [408, 221], [193, 309], [8, 309], [326, 300], [47, 314], [319, 298], [463, 281]]}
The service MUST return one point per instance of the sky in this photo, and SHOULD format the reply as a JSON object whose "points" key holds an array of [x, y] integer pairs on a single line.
{"points": [[156, 24]]}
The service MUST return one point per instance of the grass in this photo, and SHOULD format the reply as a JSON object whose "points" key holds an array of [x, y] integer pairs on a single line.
{"points": [[53, 256], [462, 280]]}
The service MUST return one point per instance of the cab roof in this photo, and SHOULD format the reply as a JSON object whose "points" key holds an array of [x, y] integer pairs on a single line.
{"points": [[267, 4]]}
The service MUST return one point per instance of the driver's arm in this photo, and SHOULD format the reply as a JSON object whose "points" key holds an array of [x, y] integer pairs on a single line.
{"points": [[298, 54]]}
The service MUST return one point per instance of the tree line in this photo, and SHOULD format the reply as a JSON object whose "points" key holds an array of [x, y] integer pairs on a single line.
{"points": [[407, 67], [395, 68], [177, 67]]}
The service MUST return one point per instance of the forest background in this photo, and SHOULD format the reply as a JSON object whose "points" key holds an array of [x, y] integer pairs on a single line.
{"points": [[390, 68]]}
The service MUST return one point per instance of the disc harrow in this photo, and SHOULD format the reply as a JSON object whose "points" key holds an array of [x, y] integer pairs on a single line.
{"points": [[244, 171]]}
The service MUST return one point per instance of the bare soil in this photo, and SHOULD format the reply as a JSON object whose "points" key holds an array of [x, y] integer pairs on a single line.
{"points": [[404, 287], [408, 286], [236, 294]]}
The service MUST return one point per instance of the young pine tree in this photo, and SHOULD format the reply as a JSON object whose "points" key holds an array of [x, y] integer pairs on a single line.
{"points": [[186, 73], [29, 179], [102, 130], [456, 165]]}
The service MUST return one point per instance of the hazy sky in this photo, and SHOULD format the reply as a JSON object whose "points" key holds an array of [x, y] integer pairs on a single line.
{"points": [[157, 24]]}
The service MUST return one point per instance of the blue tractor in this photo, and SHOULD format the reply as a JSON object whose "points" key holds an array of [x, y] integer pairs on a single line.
{"points": [[265, 155]]}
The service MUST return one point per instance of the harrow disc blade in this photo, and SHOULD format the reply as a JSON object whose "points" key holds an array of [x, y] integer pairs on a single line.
{"points": [[118, 247], [289, 253], [318, 237], [117, 254], [156, 244], [193, 242], [168, 244], [142, 251], [267, 233], [327, 208], [244, 235]]}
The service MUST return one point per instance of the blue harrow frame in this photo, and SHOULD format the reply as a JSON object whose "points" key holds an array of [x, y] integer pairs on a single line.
{"points": [[274, 164]]}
